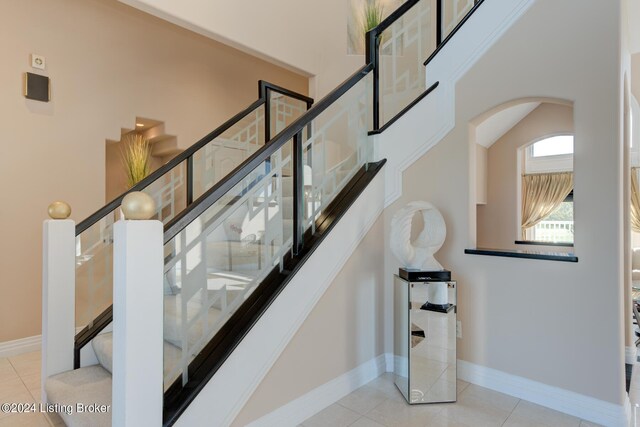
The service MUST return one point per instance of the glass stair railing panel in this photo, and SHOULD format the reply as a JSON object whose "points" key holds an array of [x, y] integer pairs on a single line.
{"points": [[170, 193], [94, 270], [94, 246], [335, 146], [284, 110], [222, 155], [402, 49], [217, 261], [453, 12]]}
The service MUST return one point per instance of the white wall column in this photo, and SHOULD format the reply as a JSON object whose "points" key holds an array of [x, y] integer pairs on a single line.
{"points": [[137, 323], [58, 297]]}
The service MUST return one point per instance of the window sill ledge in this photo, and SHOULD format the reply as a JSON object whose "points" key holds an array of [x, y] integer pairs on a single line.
{"points": [[547, 256], [535, 242]]}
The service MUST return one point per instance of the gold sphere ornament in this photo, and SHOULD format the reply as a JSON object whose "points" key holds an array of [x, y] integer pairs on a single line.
{"points": [[138, 205], [59, 210]]}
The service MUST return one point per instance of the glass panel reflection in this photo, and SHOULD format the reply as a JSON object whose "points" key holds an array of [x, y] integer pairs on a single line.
{"points": [[424, 344]]}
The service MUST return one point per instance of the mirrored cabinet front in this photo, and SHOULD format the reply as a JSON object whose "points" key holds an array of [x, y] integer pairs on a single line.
{"points": [[425, 340]]}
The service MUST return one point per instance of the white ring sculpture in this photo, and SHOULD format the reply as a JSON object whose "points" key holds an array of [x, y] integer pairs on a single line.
{"points": [[418, 255]]}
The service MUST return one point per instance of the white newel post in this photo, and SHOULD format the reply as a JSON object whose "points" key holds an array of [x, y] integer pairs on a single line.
{"points": [[58, 292], [137, 315]]}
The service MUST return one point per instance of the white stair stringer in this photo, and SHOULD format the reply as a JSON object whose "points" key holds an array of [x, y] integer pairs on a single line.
{"points": [[236, 380], [431, 119]]}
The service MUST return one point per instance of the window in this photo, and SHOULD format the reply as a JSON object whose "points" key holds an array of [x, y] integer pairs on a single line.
{"points": [[557, 227], [554, 146], [550, 157]]}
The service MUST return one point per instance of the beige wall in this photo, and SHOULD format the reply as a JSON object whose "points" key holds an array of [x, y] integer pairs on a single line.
{"points": [[481, 174], [497, 221], [540, 320], [277, 29], [108, 63], [344, 330]]}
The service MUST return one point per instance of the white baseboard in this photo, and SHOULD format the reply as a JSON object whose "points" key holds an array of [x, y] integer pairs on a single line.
{"points": [[578, 405], [629, 413], [584, 407], [296, 411], [20, 346], [630, 355]]}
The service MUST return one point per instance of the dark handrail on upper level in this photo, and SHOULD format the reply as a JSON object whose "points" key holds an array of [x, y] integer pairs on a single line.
{"points": [[263, 92], [441, 43], [372, 54], [186, 216]]}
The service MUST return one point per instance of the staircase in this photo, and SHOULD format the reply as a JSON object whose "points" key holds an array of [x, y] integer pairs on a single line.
{"points": [[233, 242]]}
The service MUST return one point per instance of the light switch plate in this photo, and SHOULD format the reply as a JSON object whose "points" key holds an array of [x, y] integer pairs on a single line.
{"points": [[38, 61]]}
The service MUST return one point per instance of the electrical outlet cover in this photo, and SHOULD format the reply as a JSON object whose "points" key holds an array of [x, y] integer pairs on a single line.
{"points": [[38, 61]]}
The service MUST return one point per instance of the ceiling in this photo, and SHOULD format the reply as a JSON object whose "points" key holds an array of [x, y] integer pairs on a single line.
{"points": [[495, 126]]}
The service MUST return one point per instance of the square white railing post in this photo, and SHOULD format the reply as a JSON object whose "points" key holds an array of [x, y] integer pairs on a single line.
{"points": [[137, 323], [58, 297]]}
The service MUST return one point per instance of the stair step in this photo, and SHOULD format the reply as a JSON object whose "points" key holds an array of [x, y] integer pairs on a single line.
{"points": [[103, 347], [86, 386]]}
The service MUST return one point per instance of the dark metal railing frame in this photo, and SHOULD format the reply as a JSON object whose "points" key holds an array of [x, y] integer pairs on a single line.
{"points": [[293, 133], [264, 98], [265, 90]]}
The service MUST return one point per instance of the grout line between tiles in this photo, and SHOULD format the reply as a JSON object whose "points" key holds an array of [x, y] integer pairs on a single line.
{"points": [[511, 413]]}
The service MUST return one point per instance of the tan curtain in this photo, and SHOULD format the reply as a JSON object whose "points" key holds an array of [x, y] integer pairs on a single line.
{"points": [[635, 201], [542, 193]]}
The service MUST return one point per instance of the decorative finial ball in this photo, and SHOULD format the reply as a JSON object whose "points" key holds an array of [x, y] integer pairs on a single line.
{"points": [[59, 210], [138, 205]]}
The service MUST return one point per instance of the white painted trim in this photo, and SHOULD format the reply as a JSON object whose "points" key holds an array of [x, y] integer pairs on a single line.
{"points": [[298, 410], [20, 346], [237, 379], [629, 413], [425, 125], [138, 265], [630, 355], [390, 359], [30, 344], [569, 402]]}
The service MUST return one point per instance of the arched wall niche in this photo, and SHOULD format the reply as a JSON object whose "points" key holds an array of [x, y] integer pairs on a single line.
{"points": [[499, 137]]}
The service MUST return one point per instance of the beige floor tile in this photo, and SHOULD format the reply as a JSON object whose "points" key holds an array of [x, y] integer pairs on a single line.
{"points": [[14, 391], [395, 413], [334, 416], [459, 414], [26, 364], [363, 399], [462, 386], [55, 420], [366, 422], [442, 421], [478, 406], [32, 382], [530, 414], [385, 384], [6, 370], [476, 395], [25, 420]]}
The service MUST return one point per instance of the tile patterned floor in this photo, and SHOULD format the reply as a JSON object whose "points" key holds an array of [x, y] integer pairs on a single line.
{"points": [[20, 383], [379, 404]]}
